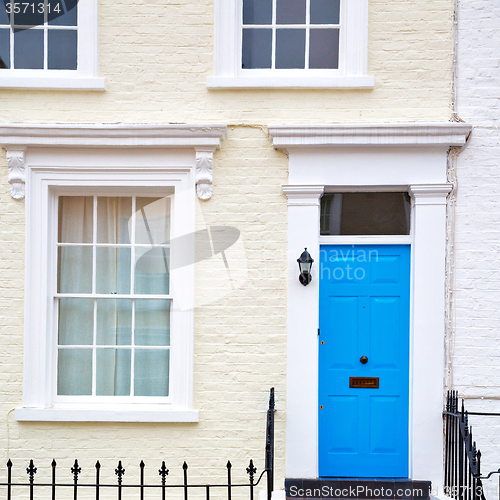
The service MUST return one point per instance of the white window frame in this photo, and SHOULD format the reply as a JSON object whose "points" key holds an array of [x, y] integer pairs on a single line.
{"points": [[353, 54], [85, 77], [120, 160]]}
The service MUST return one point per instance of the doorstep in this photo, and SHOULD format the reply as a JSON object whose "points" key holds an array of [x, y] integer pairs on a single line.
{"points": [[357, 489]]}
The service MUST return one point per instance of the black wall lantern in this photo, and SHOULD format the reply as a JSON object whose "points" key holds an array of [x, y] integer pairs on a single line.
{"points": [[305, 263]]}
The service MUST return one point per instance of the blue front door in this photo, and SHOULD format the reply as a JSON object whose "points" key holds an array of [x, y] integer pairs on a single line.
{"points": [[364, 319]]}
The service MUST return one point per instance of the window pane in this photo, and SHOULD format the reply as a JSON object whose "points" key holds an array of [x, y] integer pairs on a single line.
{"points": [[74, 270], [365, 213], [75, 219], [290, 48], [63, 18], [62, 49], [256, 49], [325, 11], [290, 11], [152, 225], [152, 274], [113, 270], [114, 219], [324, 49], [152, 322], [114, 322], [113, 369], [151, 372], [76, 321], [28, 49], [257, 11], [28, 15], [4, 17], [5, 45], [74, 372]]}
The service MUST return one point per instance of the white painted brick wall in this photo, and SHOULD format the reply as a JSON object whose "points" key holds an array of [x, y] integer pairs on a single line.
{"points": [[476, 344]]}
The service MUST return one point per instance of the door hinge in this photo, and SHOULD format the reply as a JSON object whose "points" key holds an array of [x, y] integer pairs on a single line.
{"points": [[318, 331]]}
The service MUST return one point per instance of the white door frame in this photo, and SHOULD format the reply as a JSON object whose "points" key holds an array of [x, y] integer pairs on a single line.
{"points": [[360, 157]]}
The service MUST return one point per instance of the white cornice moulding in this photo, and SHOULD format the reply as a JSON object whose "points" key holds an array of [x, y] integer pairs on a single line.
{"points": [[366, 134], [111, 135], [430, 194], [16, 138], [17, 177], [303, 195]]}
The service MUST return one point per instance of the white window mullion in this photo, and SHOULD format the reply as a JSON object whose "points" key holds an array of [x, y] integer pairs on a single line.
{"points": [[273, 50], [308, 22], [132, 354], [94, 352], [45, 36], [132, 292]]}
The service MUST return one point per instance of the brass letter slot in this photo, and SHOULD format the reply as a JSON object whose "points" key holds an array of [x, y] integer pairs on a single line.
{"points": [[363, 382]]}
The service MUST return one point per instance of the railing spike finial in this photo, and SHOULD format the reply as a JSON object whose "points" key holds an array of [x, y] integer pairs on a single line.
{"points": [[228, 465], [31, 470], [120, 471], [9, 463], [75, 470], [142, 464], [98, 465], [163, 472], [184, 466], [251, 470]]}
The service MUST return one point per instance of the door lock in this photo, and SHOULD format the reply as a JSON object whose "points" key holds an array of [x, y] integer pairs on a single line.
{"points": [[363, 360]]}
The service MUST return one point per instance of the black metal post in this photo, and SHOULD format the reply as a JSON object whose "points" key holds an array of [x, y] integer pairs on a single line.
{"points": [[9, 479], [97, 478], [31, 470], [251, 470], [53, 464], [270, 445], [120, 471], [76, 469], [163, 471], [185, 468], [228, 465]]}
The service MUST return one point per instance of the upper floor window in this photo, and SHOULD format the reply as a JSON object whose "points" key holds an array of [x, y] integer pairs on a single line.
{"points": [[290, 34], [291, 44], [49, 44]]}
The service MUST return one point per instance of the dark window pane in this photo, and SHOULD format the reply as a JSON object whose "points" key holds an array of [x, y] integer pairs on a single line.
{"points": [[290, 11], [4, 17], [325, 11], [29, 15], [324, 49], [365, 213], [62, 49], [257, 11], [67, 15], [257, 44], [290, 48], [28, 49], [5, 46]]}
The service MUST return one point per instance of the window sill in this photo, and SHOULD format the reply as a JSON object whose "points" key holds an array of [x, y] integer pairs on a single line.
{"points": [[52, 83], [281, 82], [113, 413]]}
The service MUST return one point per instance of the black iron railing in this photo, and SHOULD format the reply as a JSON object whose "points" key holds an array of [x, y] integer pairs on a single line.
{"points": [[462, 473], [55, 487]]}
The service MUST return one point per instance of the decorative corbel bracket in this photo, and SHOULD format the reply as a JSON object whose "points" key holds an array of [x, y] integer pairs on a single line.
{"points": [[16, 166], [204, 173]]}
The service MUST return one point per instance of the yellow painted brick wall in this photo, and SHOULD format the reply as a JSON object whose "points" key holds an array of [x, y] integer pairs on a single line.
{"points": [[155, 56], [239, 346]]}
